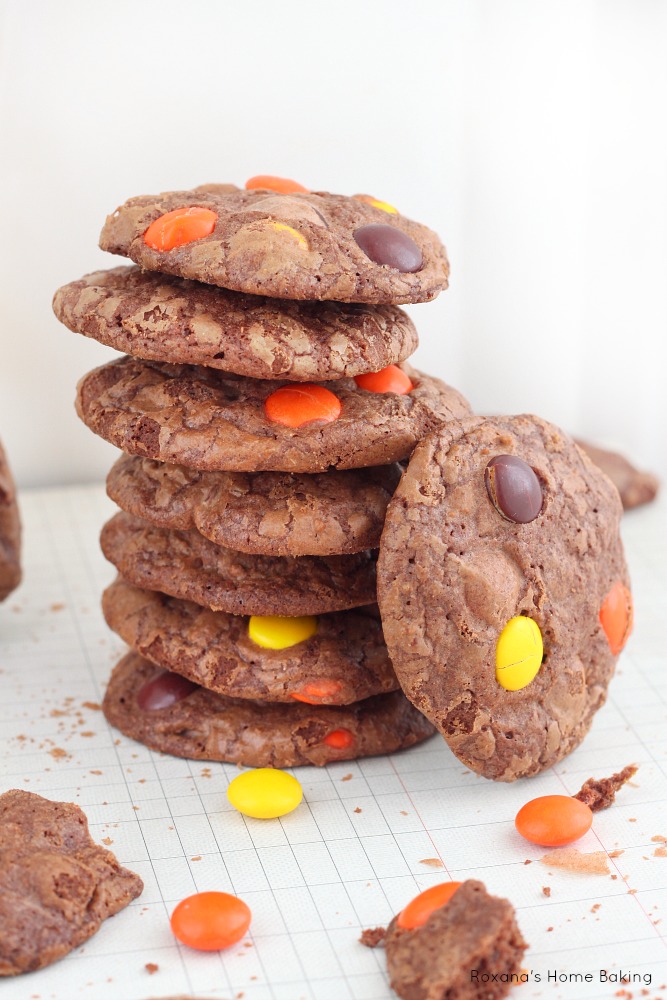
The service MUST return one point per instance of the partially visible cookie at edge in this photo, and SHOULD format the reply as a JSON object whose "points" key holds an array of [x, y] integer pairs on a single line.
{"points": [[201, 725], [458, 563], [455, 953], [303, 245], [10, 531], [162, 318], [214, 421], [184, 564], [634, 486], [56, 885], [270, 513], [335, 658]]}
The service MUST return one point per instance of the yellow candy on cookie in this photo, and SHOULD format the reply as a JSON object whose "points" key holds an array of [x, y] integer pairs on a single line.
{"points": [[278, 632], [519, 653]]}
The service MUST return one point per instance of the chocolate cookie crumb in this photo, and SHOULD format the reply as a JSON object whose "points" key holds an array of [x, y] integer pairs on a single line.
{"points": [[546, 889], [573, 860], [599, 793], [373, 937]]}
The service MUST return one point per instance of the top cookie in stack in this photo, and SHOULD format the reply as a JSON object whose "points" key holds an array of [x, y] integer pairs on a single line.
{"points": [[266, 357]]}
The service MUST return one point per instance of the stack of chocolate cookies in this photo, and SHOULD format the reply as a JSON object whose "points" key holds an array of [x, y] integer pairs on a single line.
{"points": [[10, 531], [262, 404]]}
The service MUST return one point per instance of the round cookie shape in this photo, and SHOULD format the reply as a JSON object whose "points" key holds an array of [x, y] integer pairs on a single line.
{"points": [[184, 564], [270, 513], [10, 531], [454, 574], [207, 726], [214, 421], [345, 660], [292, 245], [162, 318]]}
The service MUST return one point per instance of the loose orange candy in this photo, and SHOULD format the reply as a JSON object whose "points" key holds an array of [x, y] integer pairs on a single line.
{"points": [[295, 405], [317, 693], [283, 185], [553, 820], [210, 921], [183, 225], [389, 379], [339, 739], [616, 616], [418, 910]]}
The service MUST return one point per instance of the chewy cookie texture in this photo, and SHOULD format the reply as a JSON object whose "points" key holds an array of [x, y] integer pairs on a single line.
{"points": [[263, 406], [56, 885]]}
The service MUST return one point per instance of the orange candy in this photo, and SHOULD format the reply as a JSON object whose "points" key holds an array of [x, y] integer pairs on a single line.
{"points": [[616, 616], [183, 225], [417, 912], [295, 405], [339, 739], [210, 921], [283, 185], [389, 379], [316, 694], [553, 820]]}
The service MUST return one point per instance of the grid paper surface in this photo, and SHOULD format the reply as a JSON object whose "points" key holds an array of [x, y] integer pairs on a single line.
{"points": [[368, 836]]}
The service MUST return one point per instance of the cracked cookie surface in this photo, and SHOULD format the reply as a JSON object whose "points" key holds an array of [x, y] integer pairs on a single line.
{"points": [[454, 570]]}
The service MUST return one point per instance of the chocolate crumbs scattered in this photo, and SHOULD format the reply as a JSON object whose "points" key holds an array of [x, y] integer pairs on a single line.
{"points": [[373, 936]]}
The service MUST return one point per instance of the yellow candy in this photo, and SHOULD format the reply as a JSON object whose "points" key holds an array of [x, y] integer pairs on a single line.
{"points": [[281, 227], [384, 206], [264, 793], [518, 653], [276, 632]]}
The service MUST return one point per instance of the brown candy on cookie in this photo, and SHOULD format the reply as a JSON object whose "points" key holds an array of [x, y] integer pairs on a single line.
{"points": [[504, 591], [203, 725], [455, 945], [56, 885], [161, 318], [292, 244]]}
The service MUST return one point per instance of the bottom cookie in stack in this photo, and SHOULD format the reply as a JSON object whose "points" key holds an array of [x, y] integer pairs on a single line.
{"points": [[167, 712], [256, 659]]}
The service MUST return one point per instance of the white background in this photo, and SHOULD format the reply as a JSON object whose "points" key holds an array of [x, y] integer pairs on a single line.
{"points": [[530, 134]]}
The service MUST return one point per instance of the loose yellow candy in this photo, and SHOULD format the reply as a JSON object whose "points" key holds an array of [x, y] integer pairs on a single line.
{"points": [[281, 227], [518, 653], [264, 793], [276, 632]]}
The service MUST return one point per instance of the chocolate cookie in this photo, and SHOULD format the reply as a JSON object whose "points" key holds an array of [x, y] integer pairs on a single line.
{"points": [[212, 421], [185, 564], [271, 513], [56, 885], [153, 316], [342, 657], [635, 487], [469, 949], [504, 591], [301, 245], [10, 531], [180, 718]]}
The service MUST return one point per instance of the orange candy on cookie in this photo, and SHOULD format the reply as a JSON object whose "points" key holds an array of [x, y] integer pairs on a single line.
{"points": [[283, 185], [616, 616], [339, 739], [183, 225], [418, 910], [389, 379], [296, 405], [317, 693]]}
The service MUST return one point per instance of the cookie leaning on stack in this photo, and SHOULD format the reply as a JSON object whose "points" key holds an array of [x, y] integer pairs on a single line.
{"points": [[10, 531], [260, 437]]}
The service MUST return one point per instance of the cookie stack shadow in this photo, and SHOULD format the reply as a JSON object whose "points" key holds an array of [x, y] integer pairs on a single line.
{"points": [[262, 421]]}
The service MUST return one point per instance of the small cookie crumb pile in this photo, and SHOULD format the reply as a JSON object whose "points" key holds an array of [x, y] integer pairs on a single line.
{"points": [[263, 406]]}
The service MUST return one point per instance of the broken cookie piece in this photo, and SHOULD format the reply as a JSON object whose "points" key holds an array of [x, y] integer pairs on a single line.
{"points": [[56, 884], [467, 949], [599, 793]]}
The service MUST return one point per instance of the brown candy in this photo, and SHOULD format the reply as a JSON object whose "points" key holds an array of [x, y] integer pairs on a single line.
{"points": [[388, 245], [513, 488], [163, 691]]}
